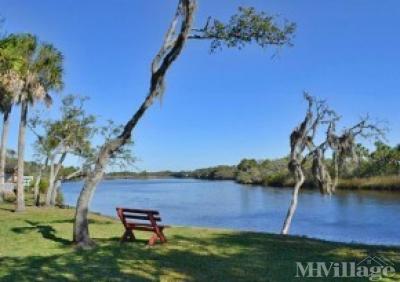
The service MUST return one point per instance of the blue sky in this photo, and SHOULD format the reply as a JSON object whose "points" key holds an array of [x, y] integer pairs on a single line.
{"points": [[234, 104]]}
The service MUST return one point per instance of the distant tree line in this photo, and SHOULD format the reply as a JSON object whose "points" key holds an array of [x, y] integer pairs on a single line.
{"points": [[138, 175], [380, 164]]}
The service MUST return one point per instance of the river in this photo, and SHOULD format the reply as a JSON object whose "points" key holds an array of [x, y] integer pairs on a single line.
{"points": [[348, 216]]}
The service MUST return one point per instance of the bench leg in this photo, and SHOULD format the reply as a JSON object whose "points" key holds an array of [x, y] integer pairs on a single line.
{"points": [[153, 239], [163, 239], [128, 236], [157, 235]]}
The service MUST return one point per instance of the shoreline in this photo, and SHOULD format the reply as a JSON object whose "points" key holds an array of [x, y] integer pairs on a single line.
{"points": [[217, 229], [356, 184], [344, 184]]}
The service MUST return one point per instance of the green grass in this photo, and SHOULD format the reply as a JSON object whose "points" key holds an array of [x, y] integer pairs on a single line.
{"points": [[375, 183], [35, 246]]}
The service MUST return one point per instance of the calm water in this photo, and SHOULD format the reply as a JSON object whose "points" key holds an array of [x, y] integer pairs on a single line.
{"points": [[368, 217]]}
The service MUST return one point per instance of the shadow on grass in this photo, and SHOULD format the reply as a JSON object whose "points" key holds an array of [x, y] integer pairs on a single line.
{"points": [[47, 231], [7, 209], [91, 221], [189, 257]]}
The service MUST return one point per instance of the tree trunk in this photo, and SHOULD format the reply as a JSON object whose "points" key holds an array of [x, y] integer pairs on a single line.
{"points": [[54, 171], [51, 183], [168, 53], [293, 203], [56, 188], [54, 192], [36, 190], [81, 234], [3, 151], [336, 168], [21, 153]]}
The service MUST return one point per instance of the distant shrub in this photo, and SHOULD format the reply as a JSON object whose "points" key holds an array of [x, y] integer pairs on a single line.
{"points": [[251, 176], [10, 197], [224, 173], [277, 180], [244, 178], [43, 185]]}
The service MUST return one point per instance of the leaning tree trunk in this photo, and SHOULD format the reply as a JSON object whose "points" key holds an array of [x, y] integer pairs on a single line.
{"points": [[293, 204], [56, 189], [168, 53], [3, 151], [81, 225], [54, 193], [52, 189], [21, 152]]}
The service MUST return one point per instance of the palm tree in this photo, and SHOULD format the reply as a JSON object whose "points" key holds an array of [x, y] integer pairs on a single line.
{"points": [[5, 108], [10, 85], [40, 68], [4, 136]]}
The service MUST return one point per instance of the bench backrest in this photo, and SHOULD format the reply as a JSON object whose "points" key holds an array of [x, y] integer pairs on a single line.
{"points": [[138, 216]]}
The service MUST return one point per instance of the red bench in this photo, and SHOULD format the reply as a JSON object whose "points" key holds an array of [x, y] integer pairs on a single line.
{"points": [[143, 220]]}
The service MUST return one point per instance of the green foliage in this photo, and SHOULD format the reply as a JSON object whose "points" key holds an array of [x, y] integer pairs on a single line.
{"points": [[245, 27], [247, 164], [38, 65], [142, 174], [9, 79], [222, 172], [43, 185], [250, 176], [367, 171], [265, 172], [10, 197], [248, 171], [71, 133], [279, 179], [383, 161]]}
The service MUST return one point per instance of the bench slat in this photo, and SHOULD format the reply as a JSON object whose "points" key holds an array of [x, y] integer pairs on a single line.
{"points": [[141, 217], [139, 211], [135, 226]]}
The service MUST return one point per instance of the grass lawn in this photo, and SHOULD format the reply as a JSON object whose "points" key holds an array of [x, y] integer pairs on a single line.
{"points": [[35, 246]]}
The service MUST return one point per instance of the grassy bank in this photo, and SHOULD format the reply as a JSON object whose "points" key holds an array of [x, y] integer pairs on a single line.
{"points": [[391, 183], [35, 246], [376, 183]]}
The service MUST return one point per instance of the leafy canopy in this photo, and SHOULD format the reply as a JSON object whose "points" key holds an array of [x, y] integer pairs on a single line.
{"points": [[38, 65], [245, 27], [69, 134]]}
